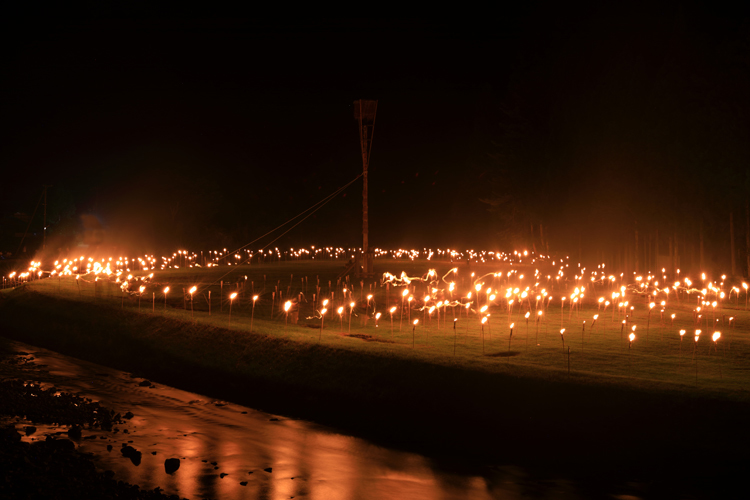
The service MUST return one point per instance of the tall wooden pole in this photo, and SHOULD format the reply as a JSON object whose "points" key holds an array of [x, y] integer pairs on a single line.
{"points": [[365, 216], [364, 112], [731, 242]]}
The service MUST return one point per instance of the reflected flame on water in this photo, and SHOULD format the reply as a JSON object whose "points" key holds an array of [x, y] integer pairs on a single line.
{"points": [[307, 460]]}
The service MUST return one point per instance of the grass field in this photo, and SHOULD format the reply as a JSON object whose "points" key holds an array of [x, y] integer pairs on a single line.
{"points": [[451, 394], [601, 355]]}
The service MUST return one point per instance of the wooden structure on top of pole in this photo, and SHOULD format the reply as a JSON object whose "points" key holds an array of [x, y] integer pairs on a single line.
{"points": [[364, 113]]}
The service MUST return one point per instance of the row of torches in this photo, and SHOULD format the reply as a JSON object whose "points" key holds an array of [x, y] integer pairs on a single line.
{"points": [[513, 295], [184, 258]]}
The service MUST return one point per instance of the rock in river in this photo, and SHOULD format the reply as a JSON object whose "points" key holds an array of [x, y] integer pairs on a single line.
{"points": [[171, 465], [74, 432], [133, 454]]}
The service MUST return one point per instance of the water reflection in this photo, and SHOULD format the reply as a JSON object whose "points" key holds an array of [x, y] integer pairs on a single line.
{"points": [[233, 452]]}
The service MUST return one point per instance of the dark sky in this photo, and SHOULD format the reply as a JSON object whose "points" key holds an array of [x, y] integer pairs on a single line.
{"points": [[207, 132]]}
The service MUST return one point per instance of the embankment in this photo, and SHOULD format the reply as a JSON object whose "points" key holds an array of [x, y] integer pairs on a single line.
{"points": [[553, 421]]}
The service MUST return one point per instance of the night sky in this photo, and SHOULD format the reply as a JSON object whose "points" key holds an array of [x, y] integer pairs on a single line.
{"points": [[165, 132]]}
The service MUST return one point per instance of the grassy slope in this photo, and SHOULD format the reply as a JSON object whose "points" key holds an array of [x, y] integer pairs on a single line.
{"points": [[655, 362], [519, 408]]}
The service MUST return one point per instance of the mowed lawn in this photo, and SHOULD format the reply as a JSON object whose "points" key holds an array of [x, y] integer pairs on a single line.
{"points": [[588, 353]]}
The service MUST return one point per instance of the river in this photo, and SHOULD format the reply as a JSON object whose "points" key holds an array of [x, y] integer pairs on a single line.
{"points": [[230, 451]]}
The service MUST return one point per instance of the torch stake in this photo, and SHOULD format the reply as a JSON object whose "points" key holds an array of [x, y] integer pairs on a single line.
{"points": [[629, 345], [509, 341], [455, 337], [401, 315], [583, 334]]}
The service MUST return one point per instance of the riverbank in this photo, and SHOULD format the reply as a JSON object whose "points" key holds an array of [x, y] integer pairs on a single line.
{"points": [[52, 467], [546, 420]]}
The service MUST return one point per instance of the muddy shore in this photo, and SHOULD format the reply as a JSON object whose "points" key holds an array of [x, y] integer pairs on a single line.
{"points": [[586, 431], [51, 467]]}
